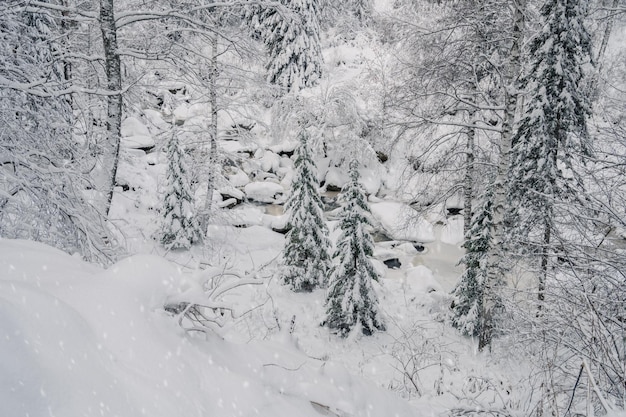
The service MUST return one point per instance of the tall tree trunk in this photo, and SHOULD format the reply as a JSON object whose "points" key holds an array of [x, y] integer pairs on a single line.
{"points": [[511, 100], [213, 156], [545, 255], [603, 45], [496, 254], [112, 67], [67, 26], [468, 186]]}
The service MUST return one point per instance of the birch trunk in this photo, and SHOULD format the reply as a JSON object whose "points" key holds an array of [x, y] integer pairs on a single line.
{"points": [[112, 67], [213, 157], [468, 186], [496, 253], [511, 100]]}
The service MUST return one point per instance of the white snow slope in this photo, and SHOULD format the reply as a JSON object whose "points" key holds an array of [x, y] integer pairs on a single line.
{"points": [[76, 340]]}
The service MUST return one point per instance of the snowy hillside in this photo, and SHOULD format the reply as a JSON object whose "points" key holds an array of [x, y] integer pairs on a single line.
{"points": [[81, 341]]}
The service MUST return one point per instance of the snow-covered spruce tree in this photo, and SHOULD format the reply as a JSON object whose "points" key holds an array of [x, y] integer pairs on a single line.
{"points": [[306, 253], [180, 228], [552, 139], [476, 298], [351, 300], [361, 9], [293, 42]]}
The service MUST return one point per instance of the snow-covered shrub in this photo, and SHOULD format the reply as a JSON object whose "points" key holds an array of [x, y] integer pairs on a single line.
{"points": [[45, 167]]}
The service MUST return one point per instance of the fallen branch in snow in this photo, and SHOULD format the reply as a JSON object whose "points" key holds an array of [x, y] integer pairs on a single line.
{"points": [[203, 306], [284, 367], [477, 411], [326, 410]]}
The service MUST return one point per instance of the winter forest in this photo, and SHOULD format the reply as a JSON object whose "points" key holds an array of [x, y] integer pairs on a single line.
{"points": [[278, 208]]}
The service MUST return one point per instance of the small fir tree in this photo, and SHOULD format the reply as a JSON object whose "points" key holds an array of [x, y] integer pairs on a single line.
{"points": [[476, 298], [180, 228], [306, 254], [351, 299]]}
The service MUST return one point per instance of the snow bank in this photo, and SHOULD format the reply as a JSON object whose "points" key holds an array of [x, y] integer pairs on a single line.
{"points": [[421, 279], [401, 222], [81, 341], [452, 232], [135, 135], [264, 191]]}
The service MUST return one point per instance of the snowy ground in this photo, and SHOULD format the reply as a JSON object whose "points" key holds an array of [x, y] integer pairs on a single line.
{"points": [[82, 341]]}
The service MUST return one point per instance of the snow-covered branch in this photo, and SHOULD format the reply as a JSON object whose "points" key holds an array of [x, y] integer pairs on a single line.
{"points": [[202, 306]]}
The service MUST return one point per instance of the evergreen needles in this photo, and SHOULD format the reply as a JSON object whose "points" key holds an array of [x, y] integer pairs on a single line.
{"points": [[180, 227], [351, 299], [306, 258]]}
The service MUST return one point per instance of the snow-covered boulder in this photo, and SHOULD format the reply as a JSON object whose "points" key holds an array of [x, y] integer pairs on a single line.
{"points": [[270, 162], [237, 178], [264, 191], [138, 142], [421, 279], [285, 148], [132, 126], [231, 192], [369, 179], [135, 134], [155, 120], [401, 222], [247, 216]]}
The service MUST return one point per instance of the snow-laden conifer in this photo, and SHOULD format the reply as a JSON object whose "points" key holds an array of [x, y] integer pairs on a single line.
{"points": [[551, 141], [306, 254], [476, 298], [293, 42], [180, 228], [553, 129], [351, 299]]}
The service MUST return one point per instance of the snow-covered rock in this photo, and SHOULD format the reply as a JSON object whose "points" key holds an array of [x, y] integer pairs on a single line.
{"points": [[264, 191], [401, 222], [132, 126], [238, 178], [231, 192], [135, 134], [138, 142], [270, 162], [155, 120], [421, 279]]}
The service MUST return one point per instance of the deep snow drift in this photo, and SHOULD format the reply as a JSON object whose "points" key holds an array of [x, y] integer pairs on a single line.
{"points": [[77, 340]]}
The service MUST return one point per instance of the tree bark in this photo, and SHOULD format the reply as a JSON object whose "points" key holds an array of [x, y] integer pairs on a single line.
{"points": [[511, 100], [468, 186], [497, 250], [603, 45], [112, 67], [213, 156], [545, 254]]}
